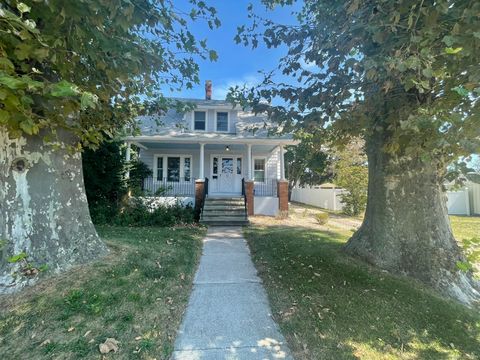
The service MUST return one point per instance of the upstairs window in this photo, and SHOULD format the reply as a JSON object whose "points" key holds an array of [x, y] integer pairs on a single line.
{"points": [[199, 120], [222, 121]]}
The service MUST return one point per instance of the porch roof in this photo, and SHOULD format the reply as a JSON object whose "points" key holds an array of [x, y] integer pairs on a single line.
{"points": [[211, 138]]}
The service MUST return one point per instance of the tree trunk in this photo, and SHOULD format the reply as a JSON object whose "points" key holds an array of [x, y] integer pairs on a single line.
{"points": [[44, 211], [406, 229]]}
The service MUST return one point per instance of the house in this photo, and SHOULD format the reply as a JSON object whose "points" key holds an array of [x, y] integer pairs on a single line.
{"points": [[216, 154]]}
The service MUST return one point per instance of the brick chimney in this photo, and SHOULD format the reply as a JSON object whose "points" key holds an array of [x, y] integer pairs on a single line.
{"points": [[208, 90]]}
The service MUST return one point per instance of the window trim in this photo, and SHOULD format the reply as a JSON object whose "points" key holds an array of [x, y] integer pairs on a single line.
{"points": [[228, 121], [264, 158], [165, 164], [193, 120]]}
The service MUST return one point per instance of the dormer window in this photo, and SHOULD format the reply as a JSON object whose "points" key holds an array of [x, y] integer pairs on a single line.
{"points": [[199, 120], [222, 121]]}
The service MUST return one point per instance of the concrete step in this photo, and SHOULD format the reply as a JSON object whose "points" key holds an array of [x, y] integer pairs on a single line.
{"points": [[224, 222], [224, 203], [235, 198], [220, 212], [223, 208]]}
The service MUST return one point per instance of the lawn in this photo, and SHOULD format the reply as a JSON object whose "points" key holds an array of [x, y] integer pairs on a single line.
{"points": [[136, 295], [331, 306]]}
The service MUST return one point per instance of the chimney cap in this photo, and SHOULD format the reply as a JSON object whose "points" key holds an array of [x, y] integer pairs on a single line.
{"points": [[208, 90]]}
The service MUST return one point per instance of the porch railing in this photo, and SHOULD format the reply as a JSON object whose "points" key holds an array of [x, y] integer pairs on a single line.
{"points": [[163, 187], [266, 188]]}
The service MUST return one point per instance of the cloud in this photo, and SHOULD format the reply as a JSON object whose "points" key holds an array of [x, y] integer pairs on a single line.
{"points": [[220, 91]]}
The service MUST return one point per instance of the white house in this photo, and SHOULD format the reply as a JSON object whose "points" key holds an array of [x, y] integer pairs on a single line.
{"points": [[216, 143]]}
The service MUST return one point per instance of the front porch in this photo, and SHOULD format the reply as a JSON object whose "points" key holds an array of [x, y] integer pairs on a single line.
{"points": [[175, 167]]}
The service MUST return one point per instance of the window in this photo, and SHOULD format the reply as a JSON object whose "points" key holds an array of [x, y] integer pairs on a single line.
{"points": [[222, 121], [199, 119], [186, 168], [259, 170], [215, 165], [239, 166], [173, 169], [160, 167]]}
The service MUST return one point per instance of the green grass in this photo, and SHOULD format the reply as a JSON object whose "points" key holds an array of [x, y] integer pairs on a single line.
{"points": [[331, 306], [465, 227], [137, 295]]}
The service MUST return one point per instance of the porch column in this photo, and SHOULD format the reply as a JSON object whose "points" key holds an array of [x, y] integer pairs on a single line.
{"points": [[282, 163], [202, 162], [127, 158], [249, 162]]}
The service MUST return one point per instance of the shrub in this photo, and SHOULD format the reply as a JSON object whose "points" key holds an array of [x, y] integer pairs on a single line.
{"points": [[143, 212], [322, 218]]}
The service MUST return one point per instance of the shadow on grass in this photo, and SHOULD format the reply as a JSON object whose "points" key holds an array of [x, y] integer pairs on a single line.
{"points": [[331, 306], [137, 295]]}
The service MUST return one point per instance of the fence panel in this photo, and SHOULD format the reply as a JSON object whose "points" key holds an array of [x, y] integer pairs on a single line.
{"points": [[458, 202], [329, 199]]}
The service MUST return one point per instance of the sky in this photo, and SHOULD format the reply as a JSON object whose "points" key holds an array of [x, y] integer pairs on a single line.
{"points": [[236, 64]]}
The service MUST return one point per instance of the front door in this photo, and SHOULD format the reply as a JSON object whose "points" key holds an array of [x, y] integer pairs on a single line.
{"points": [[226, 174]]}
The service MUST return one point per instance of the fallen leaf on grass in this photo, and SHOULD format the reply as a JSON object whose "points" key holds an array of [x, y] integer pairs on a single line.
{"points": [[46, 342], [138, 338], [87, 333], [70, 329], [109, 345]]}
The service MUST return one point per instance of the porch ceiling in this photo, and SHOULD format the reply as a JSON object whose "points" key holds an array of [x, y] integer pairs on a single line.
{"points": [[214, 147]]}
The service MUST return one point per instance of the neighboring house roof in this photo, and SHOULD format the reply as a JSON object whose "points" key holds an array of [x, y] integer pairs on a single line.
{"points": [[175, 125]]}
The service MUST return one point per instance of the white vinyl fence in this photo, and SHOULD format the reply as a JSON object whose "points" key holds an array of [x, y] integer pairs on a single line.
{"points": [[465, 201], [325, 198], [458, 202]]}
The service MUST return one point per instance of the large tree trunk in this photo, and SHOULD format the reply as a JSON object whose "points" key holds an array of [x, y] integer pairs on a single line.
{"points": [[44, 210], [406, 229]]}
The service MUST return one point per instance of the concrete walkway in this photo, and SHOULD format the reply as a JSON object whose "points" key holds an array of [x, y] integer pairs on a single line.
{"points": [[228, 316]]}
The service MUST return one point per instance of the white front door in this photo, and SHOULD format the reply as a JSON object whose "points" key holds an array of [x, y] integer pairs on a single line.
{"points": [[226, 174]]}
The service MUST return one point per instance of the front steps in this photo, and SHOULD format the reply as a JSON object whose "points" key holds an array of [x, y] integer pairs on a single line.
{"points": [[224, 212]]}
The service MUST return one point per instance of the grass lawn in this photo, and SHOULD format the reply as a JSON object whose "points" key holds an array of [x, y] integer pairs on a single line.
{"points": [[331, 306], [136, 295]]}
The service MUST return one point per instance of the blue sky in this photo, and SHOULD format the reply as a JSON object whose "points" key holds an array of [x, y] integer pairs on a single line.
{"points": [[236, 64]]}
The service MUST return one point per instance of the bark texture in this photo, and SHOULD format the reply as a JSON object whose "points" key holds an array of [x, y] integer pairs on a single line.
{"points": [[406, 229], [43, 208]]}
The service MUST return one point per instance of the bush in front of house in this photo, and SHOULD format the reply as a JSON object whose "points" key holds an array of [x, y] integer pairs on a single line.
{"points": [[142, 212]]}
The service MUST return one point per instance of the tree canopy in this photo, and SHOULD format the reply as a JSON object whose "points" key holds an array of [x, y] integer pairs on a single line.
{"points": [[405, 69], [88, 66]]}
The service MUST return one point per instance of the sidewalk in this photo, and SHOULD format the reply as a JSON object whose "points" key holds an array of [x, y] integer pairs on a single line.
{"points": [[228, 315]]}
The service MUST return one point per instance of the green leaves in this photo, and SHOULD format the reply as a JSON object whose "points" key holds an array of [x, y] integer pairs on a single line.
{"points": [[16, 258], [11, 82], [213, 55], [63, 88], [460, 90], [51, 76], [464, 266], [88, 100], [379, 62], [23, 8], [453, 51]]}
